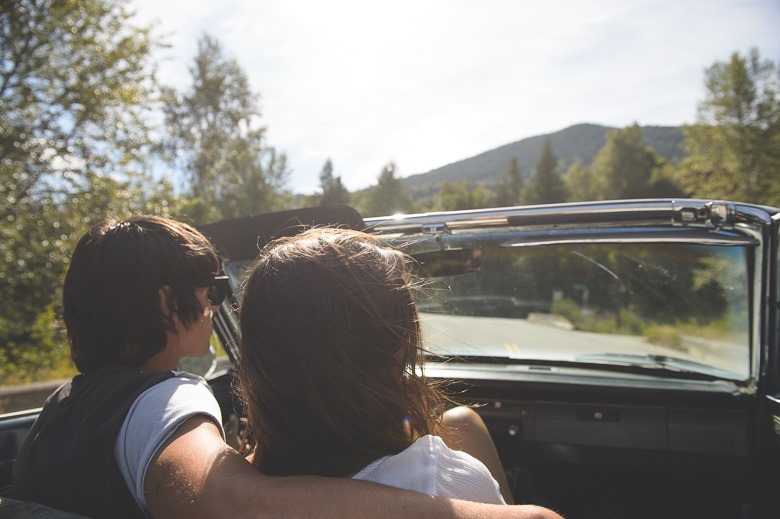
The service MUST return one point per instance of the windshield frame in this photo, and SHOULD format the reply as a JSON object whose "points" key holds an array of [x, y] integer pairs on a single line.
{"points": [[743, 225]]}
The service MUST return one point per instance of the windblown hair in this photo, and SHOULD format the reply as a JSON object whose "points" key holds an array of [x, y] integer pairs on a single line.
{"points": [[111, 296], [331, 355]]}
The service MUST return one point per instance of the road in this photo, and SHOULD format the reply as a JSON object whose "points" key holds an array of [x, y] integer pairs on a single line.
{"points": [[523, 338]]}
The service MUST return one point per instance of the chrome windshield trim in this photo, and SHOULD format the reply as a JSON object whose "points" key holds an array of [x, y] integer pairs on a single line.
{"points": [[708, 214], [575, 213], [694, 238]]}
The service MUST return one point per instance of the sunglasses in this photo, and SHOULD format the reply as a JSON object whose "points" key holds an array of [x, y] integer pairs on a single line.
{"points": [[219, 288]]}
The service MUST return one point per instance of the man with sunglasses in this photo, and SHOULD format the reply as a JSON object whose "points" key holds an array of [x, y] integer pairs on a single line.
{"points": [[130, 436]]}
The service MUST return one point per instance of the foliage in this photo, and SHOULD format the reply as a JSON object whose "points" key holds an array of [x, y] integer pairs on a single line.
{"points": [[546, 185], [718, 329], [333, 191], [49, 359], [569, 309], [663, 182], [734, 147], [461, 195], [664, 335], [509, 191], [74, 81], [75, 85], [579, 182], [215, 139], [389, 195], [624, 167]]}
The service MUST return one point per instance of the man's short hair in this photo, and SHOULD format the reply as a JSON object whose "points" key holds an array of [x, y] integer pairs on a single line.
{"points": [[112, 292]]}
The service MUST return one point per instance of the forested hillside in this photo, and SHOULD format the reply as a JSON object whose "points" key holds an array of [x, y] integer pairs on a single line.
{"points": [[581, 141]]}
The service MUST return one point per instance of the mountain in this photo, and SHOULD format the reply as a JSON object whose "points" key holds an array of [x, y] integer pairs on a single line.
{"points": [[582, 141]]}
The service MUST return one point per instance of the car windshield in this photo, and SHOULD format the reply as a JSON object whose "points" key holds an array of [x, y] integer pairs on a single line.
{"points": [[592, 303], [595, 301]]}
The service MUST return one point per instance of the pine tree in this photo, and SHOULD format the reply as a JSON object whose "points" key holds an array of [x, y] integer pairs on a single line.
{"points": [[509, 191], [389, 195], [333, 191], [546, 186], [623, 168]]}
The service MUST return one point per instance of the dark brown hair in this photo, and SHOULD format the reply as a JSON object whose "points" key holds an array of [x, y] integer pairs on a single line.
{"points": [[331, 355], [111, 295]]}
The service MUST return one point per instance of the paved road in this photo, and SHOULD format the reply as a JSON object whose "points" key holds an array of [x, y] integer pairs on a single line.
{"points": [[522, 338]]}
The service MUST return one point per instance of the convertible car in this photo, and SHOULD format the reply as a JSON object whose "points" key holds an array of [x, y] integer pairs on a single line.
{"points": [[623, 354]]}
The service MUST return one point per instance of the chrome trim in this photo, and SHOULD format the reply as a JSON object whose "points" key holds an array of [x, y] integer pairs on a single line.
{"points": [[725, 241], [709, 214], [578, 213]]}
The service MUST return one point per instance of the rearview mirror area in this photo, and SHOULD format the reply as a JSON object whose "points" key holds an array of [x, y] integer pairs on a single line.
{"points": [[451, 262]]}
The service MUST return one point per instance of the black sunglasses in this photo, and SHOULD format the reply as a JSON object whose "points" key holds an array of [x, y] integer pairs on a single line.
{"points": [[219, 288]]}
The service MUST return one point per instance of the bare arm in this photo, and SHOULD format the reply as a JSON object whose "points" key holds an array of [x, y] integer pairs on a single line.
{"points": [[466, 431], [196, 474]]}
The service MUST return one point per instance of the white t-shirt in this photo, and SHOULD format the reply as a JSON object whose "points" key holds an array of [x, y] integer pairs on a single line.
{"points": [[430, 467], [153, 418]]}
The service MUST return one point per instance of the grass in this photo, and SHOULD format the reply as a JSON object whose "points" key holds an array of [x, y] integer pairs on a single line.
{"points": [[667, 335], [55, 364]]}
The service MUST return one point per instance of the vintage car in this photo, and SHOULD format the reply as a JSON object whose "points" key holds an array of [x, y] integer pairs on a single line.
{"points": [[624, 354]]}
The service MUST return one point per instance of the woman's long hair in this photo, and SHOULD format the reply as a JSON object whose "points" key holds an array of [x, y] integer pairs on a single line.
{"points": [[331, 355]]}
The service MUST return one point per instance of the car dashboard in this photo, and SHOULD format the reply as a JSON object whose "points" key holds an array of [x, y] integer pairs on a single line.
{"points": [[615, 448]]}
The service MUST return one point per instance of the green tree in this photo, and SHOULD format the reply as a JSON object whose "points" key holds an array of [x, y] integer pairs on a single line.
{"points": [[76, 82], [624, 167], [389, 195], [734, 147], [333, 191], [509, 191], [461, 195], [663, 181], [579, 182], [214, 137], [546, 185]]}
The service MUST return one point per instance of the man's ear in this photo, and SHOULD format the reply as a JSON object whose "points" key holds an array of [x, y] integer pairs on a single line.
{"points": [[164, 295]]}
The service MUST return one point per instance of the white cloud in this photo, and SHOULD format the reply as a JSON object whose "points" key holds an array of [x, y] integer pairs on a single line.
{"points": [[427, 83]]}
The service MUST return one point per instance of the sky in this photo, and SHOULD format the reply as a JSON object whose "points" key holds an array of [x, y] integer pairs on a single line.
{"points": [[426, 83]]}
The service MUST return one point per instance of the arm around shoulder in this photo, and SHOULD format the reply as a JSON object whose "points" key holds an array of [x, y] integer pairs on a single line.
{"points": [[195, 474]]}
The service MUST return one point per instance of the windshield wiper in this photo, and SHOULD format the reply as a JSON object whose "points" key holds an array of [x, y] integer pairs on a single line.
{"points": [[655, 365], [664, 363]]}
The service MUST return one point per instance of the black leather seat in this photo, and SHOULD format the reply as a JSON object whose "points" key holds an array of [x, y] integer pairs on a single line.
{"points": [[13, 509]]}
